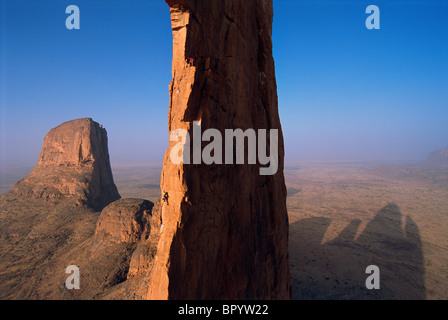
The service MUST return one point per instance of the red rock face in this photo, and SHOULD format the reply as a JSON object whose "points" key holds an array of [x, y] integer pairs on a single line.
{"points": [[123, 221], [73, 163], [225, 228], [134, 223]]}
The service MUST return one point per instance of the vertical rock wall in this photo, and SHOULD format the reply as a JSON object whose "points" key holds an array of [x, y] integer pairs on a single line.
{"points": [[225, 227]]}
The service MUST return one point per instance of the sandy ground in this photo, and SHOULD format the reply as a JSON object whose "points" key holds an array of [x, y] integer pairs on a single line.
{"points": [[343, 218], [346, 217]]}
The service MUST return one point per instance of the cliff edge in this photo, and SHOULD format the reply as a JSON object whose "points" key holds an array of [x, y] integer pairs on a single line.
{"points": [[225, 227]]}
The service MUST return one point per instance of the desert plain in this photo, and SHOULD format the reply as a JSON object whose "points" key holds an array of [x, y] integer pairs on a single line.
{"points": [[344, 217]]}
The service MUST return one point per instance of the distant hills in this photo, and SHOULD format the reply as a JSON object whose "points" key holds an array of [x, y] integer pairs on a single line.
{"points": [[437, 158]]}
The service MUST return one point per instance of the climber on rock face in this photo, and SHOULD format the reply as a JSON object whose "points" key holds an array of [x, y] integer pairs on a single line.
{"points": [[165, 197], [191, 62]]}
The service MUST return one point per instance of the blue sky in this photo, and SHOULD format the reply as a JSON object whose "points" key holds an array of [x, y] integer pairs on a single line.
{"points": [[345, 92]]}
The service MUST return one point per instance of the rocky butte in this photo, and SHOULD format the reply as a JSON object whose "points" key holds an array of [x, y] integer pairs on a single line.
{"points": [[225, 228], [73, 163], [53, 210]]}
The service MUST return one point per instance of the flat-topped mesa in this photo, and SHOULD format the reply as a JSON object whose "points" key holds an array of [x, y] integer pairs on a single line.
{"points": [[224, 229], [73, 163]]}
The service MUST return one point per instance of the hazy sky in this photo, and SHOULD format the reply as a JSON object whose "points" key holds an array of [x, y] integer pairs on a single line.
{"points": [[345, 92]]}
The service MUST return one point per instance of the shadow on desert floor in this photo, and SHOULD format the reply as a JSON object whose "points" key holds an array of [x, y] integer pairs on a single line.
{"points": [[337, 269]]}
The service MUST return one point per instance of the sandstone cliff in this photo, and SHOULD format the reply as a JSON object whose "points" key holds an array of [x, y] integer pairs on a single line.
{"points": [[52, 211], [74, 163], [223, 234], [225, 229], [116, 261]]}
